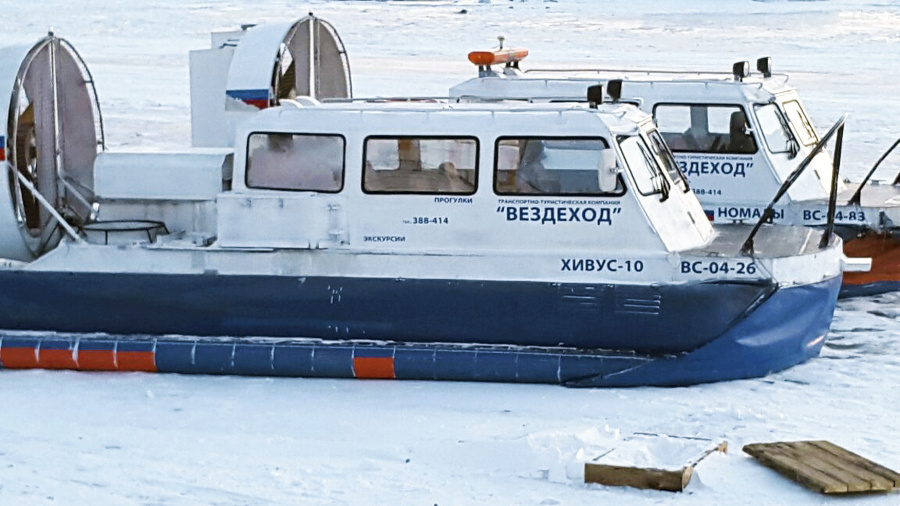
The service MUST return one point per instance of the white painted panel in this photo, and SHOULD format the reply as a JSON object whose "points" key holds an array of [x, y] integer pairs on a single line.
{"points": [[280, 220], [209, 70], [159, 176], [251, 67]]}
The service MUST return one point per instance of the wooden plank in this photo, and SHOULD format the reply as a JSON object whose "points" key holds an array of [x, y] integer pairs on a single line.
{"points": [[647, 478], [806, 455], [623, 476], [824, 467], [789, 468], [860, 478], [842, 464], [859, 461]]}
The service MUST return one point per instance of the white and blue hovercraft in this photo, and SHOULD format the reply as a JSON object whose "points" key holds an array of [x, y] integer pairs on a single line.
{"points": [[739, 137], [547, 243]]}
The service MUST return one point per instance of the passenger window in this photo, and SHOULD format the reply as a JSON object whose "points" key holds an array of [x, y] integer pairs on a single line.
{"points": [[701, 128], [297, 162], [554, 166], [420, 165]]}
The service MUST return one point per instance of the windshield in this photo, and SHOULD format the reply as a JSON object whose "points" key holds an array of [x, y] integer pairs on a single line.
{"points": [[664, 156], [774, 128], [797, 116], [648, 178]]}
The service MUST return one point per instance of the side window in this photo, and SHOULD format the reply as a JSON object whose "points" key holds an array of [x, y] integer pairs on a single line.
{"points": [[774, 128], [420, 165], [297, 162], [701, 128], [554, 166]]}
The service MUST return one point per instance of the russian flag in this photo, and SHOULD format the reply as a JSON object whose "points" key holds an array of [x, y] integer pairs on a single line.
{"points": [[256, 98]]}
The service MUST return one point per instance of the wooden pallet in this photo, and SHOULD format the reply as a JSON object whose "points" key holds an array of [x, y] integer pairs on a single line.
{"points": [[824, 467]]}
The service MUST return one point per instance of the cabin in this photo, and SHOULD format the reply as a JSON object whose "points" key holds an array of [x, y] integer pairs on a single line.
{"points": [[419, 177]]}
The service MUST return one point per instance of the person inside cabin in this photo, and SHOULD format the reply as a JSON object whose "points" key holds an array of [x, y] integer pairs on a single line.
{"points": [[420, 165], [453, 180], [531, 177], [280, 161], [740, 139], [697, 136]]}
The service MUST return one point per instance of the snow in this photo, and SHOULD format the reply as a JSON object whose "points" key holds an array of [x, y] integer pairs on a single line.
{"points": [[98, 438]]}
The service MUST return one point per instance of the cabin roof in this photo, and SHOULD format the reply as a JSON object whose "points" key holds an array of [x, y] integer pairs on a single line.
{"points": [[559, 85], [776, 81], [545, 117]]}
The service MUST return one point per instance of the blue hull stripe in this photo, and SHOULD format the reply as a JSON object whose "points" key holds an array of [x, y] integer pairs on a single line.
{"points": [[869, 289], [784, 327], [787, 328], [609, 317]]}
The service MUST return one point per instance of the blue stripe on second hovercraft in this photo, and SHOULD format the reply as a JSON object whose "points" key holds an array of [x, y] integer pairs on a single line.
{"points": [[869, 289]]}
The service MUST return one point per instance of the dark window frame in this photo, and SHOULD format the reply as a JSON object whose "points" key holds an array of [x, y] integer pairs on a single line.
{"points": [[785, 126], [304, 134], [661, 173], [362, 180], [682, 178], [756, 142], [813, 134], [619, 180]]}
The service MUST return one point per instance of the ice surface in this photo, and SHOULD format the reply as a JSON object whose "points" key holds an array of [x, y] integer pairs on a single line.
{"points": [[78, 438]]}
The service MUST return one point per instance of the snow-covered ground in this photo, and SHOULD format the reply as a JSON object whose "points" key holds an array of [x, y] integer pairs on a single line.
{"points": [[79, 438]]}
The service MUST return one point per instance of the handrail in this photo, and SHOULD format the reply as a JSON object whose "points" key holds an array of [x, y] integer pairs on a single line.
{"points": [[832, 196], [695, 73], [43, 201], [643, 71], [747, 247], [73, 189], [857, 195]]}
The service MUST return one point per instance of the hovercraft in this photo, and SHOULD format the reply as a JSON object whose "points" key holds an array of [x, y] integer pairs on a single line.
{"points": [[738, 136], [516, 242]]}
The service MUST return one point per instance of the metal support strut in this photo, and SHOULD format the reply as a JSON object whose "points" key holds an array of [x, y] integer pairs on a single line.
{"points": [[747, 248]]}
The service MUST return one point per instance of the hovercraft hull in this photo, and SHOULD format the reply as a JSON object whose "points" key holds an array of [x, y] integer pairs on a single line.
{"points": [[884, 276], [774, 328]]}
